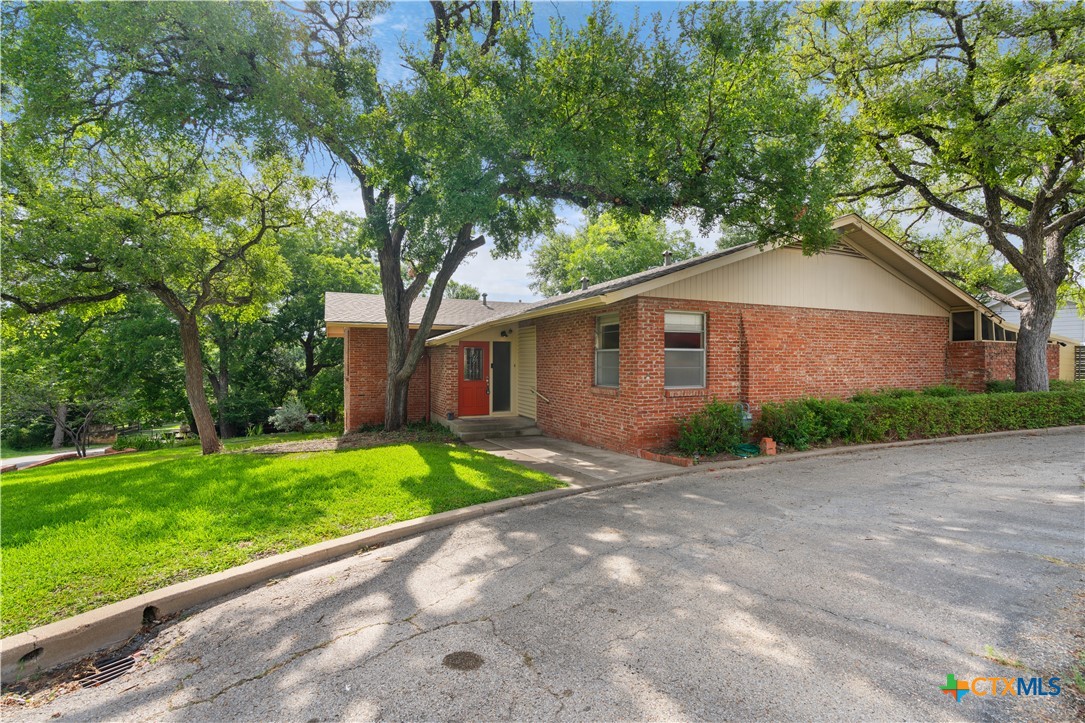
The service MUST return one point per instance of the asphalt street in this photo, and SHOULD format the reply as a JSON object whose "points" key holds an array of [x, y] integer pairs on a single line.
{"points": [[843, 587]]}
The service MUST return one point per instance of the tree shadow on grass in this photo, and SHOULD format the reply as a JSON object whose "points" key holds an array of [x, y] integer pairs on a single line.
{"points": [[176, 518]]}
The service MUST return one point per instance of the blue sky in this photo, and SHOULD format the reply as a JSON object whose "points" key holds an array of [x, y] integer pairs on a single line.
{"points": [[502, 279]]}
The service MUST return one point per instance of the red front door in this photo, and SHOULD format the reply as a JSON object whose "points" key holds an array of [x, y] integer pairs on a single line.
{"points": [[474, 378]]}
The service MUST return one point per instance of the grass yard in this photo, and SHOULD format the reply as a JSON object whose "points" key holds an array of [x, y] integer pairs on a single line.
{"points": [[82, 534]]}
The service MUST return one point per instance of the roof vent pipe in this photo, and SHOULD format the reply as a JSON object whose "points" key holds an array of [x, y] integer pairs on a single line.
{"points": [[484, 299], [584, 281], [667, 257]]}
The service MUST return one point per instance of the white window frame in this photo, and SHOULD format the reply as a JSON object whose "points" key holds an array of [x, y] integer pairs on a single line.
{"points": [[703, 349], [600, 322]]}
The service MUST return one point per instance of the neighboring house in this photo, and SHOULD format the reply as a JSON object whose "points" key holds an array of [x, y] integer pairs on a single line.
{"points": [[1068, 325], [614, 365]]}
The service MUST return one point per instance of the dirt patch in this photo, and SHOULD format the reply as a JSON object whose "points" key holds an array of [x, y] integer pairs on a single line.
{"points": [[357, 440]]}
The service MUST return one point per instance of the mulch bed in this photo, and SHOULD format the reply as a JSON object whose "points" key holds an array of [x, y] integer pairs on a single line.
{"points": [[354, 440]]}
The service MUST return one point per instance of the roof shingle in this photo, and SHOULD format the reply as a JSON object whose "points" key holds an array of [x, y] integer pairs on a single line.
{"points": [[346, 308]]}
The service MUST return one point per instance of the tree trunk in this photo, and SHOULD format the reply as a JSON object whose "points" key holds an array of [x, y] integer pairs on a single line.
{"points": [[80, 435], [220, 385], [1031, 354], [395, 403], [197, 396], [58, 428]]}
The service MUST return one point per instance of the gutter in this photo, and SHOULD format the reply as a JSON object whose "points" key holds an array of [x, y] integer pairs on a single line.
{"points": [[590, 302]]}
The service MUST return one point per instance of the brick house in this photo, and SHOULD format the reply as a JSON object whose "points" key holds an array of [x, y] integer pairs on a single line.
{"points": [[613, 365]]}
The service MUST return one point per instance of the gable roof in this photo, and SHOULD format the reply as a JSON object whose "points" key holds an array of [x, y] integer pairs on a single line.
{"points": [[601, 289], [861, 236], [346, 309]]}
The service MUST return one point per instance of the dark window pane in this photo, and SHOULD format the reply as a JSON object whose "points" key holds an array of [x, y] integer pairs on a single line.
{"points": [[681, 340], [988, 329], [608, 337], [1011, 336], [472, 363], [964, 326], [1000, 334]]}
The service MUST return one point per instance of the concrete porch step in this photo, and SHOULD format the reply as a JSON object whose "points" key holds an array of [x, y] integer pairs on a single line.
{"points": [[500, 433], [471, 430]]}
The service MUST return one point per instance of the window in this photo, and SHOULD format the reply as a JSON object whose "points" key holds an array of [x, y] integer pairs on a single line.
{"points": [[472, 363], [607, 334], [683, 350], [1011, 335], [964, 326], [988, 329]]}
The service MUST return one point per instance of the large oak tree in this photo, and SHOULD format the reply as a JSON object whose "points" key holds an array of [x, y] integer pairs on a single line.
{"points": [[486, 125], [89, 221], [974, 111]]}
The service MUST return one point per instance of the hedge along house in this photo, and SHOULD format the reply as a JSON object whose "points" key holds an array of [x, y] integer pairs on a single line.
{"points": [[615, 364]]}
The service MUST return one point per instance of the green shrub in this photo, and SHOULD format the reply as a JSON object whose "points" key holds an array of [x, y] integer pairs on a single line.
{"points": [[291, 417], [28, 434], [943, 390], [141, 442], [1000, 386], [869, 417], [715, 429], [792, 423]]}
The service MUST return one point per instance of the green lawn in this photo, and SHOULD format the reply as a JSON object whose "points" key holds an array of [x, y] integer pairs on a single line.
{"points": [[78, 535]]}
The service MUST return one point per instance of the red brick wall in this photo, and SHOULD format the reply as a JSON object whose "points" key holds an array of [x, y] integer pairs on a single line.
{"points": [[565, 375], [797, 352], [755, 353], [445, 375], [365, 353], [974, 363]]}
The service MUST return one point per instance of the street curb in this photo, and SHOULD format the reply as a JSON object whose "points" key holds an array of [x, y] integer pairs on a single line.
{"points": [[76, 637], [858, 448]]}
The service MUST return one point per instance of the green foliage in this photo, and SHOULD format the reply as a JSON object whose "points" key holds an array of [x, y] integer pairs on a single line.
{"points": [[456, 290], [23, 434], [972, 112], [607, 247], [999, 386], [871, 417], [141, 442], [79, 535], [944, 390], [714, 429], [292, 416], [325, 393]]}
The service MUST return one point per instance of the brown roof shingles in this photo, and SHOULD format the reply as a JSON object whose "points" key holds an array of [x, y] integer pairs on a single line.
{"points": [[346, 308]]}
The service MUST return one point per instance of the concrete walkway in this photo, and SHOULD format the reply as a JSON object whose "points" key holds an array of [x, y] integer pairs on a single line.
{"points": [[27, 460], [573, 463]]}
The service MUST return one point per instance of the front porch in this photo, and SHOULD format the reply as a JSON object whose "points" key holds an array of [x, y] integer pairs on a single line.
{"points": [[477, 428]]}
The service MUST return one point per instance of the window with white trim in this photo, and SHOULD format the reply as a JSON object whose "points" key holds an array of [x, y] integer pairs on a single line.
{"points": [[683, 350], [607, 338]]}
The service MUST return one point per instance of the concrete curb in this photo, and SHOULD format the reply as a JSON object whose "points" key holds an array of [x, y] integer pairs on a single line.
{"points": [[64, 641], [857, 448], [68, 640]]}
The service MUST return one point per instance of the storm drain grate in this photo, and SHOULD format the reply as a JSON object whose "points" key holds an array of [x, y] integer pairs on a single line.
{"points": [[463, 660], [110, 669]]}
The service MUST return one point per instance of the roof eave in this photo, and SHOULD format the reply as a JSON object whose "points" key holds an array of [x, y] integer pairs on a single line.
{"points": [[467, 331], [947, 292]]}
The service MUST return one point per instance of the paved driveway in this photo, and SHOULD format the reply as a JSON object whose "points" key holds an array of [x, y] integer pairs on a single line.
{"points": [[842, 587], [27, 460]]}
